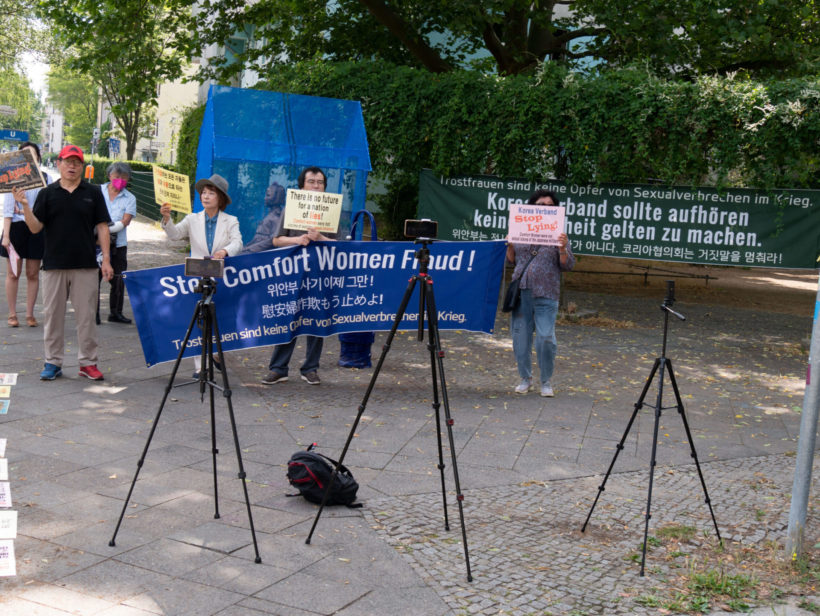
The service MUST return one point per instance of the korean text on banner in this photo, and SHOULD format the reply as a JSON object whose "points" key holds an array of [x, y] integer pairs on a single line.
{"points": [[18, 169], [309, 208], [173, 188], [732, 226], [321, 289]]}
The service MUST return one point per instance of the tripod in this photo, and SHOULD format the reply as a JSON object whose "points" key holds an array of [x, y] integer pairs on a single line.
{"points": [[205, 316], [662, 364], [427, 305]]}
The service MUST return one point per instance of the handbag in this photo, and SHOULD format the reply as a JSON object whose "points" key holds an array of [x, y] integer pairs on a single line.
{"points": [[512, 296]]}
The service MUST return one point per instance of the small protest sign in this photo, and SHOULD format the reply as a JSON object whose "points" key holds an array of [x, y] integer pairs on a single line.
{"points": [[8, 565], [309, 208], [535, 224], [8, 524], [18, 169], [173, 188]]}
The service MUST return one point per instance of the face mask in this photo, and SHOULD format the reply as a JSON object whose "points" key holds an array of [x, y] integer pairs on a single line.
{"points": [[119, 183]]}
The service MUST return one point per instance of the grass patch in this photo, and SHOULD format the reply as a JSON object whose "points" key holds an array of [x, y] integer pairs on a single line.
{"points": [[648, 601], [677, 532], [714, 582], [809, 606]]}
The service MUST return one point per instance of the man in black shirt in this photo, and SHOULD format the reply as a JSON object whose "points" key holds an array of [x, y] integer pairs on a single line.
{"points": [[312, 178], [68, 211]]}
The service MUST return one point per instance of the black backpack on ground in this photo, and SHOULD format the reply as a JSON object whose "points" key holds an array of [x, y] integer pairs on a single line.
{"points": [[309, 472]]}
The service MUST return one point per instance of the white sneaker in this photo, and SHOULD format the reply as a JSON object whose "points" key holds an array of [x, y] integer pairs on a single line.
{"points": [[546, 391], [524, 386]]}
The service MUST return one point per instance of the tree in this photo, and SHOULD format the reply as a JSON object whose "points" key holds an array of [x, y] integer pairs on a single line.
{"points": [[16, 92], [440, 36], [76, 96], [621, 125], [685, 37], [124, 47], [20, 32], [515, 36]]}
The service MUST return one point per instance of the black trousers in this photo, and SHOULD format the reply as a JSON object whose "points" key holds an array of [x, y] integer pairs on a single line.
{"points": [[119, 263]]}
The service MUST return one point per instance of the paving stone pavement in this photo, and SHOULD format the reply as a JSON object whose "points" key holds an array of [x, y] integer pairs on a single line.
{"points": [[529, 468]]}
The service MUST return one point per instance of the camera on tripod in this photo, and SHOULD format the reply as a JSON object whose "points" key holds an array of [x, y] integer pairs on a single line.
{"points": [[205, 267], [421, 229]]}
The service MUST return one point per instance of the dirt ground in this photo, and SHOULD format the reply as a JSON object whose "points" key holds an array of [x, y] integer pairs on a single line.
{"points": [[788, 291]]}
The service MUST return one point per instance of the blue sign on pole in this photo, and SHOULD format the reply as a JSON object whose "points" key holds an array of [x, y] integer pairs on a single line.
{"points": [[113, 145], [14, 135]]}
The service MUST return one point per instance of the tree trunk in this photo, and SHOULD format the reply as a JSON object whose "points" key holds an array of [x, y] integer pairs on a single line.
{"points": [[399, 28]]}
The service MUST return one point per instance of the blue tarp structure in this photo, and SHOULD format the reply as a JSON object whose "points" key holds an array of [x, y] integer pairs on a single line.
{"points": [[259, 140]]}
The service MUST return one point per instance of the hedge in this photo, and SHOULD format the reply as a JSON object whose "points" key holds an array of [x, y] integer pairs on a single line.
{"points": [[623, 125]]}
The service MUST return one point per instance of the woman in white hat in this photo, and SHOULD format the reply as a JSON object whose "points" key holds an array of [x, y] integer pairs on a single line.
{"points": [[212, 232]]}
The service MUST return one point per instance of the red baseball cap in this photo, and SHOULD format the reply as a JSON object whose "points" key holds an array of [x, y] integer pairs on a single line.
{"points": [[71, 150]]}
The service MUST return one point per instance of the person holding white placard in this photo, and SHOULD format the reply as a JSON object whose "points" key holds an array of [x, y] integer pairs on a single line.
{"points": [[213, 233], [539, 270], [312, 178]]}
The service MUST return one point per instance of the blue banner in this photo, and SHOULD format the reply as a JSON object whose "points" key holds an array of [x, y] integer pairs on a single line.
{"points": [[322, 289]]}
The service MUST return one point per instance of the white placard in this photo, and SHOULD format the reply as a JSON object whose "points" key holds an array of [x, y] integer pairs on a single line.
{"points": [[8, 567], [5, 494], [8, 524], [2, 448], [4, 469], [8, 378], [305, 209], [536, 224]]}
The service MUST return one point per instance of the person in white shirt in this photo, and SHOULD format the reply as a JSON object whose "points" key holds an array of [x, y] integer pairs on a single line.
{"points": [[27, 245], [212, 232]]}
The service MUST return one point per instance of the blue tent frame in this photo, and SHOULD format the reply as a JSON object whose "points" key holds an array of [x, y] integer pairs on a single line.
{"points": [[257, 138]]}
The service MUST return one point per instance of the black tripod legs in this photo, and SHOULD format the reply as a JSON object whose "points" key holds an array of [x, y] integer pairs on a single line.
{"points": [[661, 367], [360, 411], [227, 394], [619, 448], [693, 453], [205, 315], [168, 387], [437, 356], [427, 306]]}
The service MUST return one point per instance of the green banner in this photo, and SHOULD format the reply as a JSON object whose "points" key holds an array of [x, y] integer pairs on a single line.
{"points": [[738, 226]]}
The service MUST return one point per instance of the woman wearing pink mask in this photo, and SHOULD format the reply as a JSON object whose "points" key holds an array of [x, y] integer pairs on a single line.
{"points": [[122, 207]]}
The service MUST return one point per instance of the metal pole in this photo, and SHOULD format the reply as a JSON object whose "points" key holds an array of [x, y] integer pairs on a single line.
{"points": [[805, 444]]}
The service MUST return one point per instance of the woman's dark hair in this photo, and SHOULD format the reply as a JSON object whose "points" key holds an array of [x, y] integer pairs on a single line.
{"points": [[29, 144], [538, 194]]}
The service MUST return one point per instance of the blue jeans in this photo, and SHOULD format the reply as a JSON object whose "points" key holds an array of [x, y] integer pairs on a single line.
{"points": [[280, 358], [534, 314]]}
